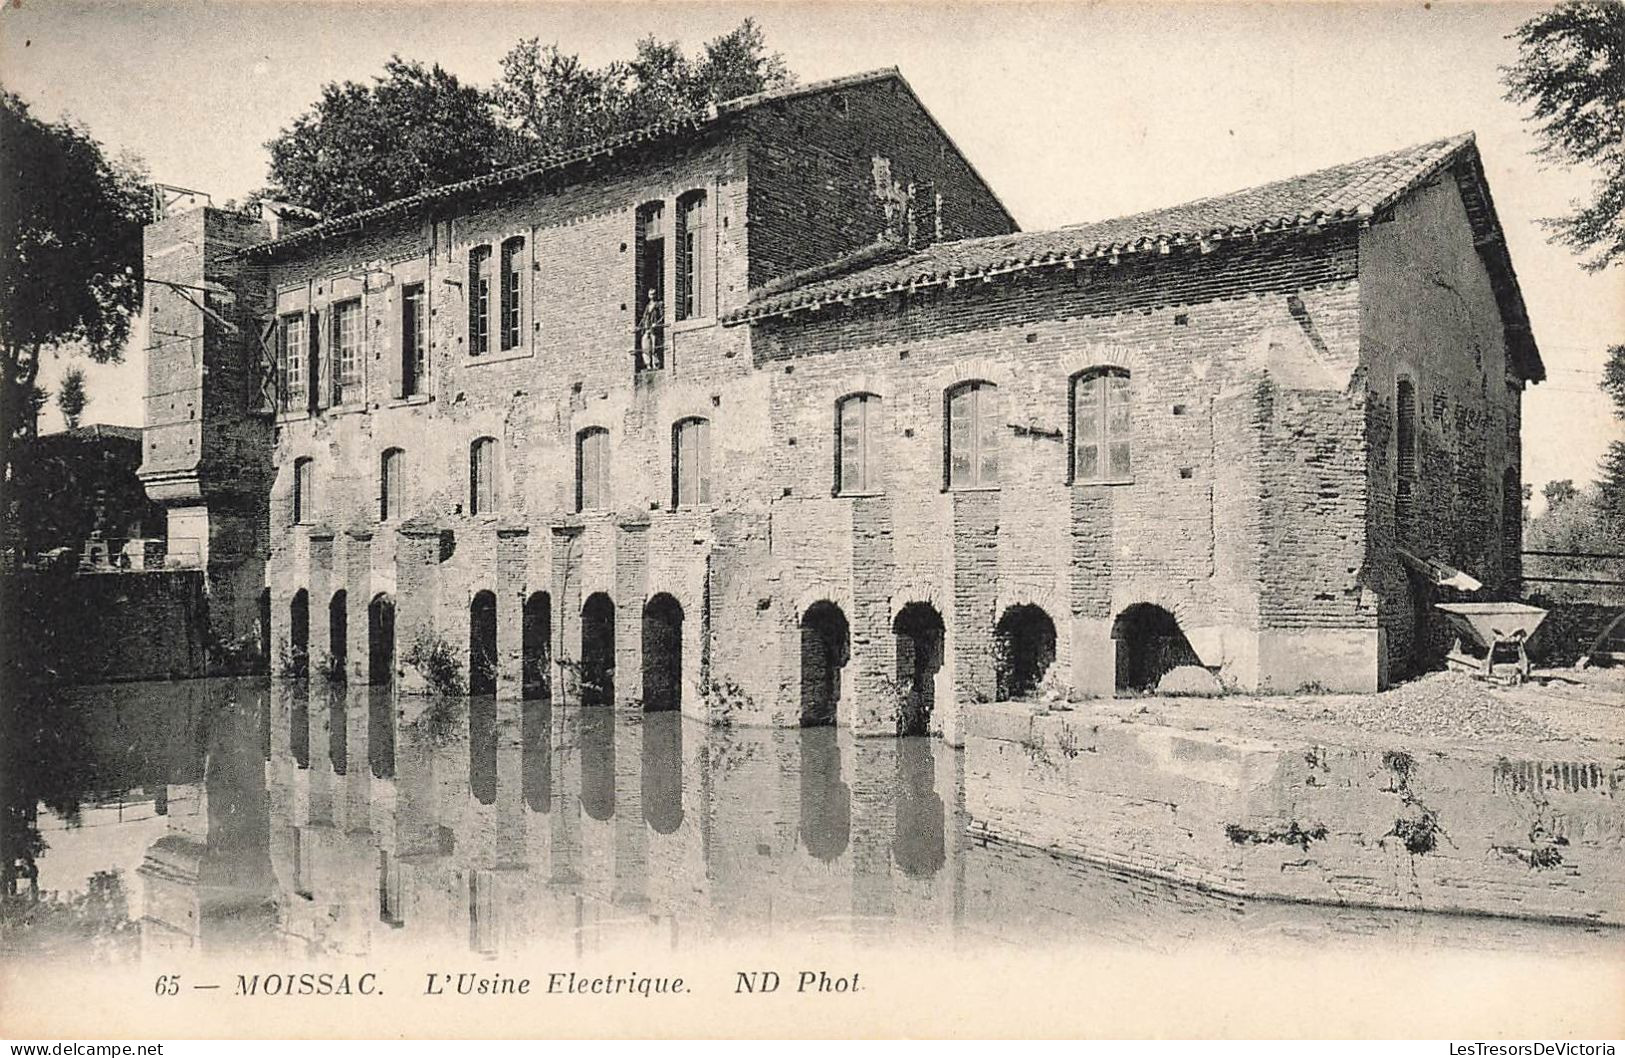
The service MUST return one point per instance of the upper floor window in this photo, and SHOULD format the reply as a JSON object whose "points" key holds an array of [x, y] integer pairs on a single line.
{"points": [[347, 351], [693, 257], [291, 354], [391, 484], [1405, 444], [691, 463], [513, 253], [482, 476], [479, 300], [414, 340], [857, 429], [592, 469], [1101, 424], [973, 436], [650, 293], [304, 490]]}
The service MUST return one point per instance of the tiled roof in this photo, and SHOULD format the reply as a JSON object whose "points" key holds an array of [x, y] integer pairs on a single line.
{"points": [[553, 163], [1341, 194]]}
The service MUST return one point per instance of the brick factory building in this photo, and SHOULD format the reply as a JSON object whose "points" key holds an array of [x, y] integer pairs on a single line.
{"points": [[773, 416]]}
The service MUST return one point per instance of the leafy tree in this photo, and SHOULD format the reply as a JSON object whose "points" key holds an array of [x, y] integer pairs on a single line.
{"points": [[1558, 493], [361, 145], [1571, 72], [1613, 463], [70, 273], [71, 397]]}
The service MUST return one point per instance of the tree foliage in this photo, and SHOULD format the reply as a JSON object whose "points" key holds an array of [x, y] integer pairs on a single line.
{"points": [[361, 145], [415, 128], [1571, 73], [70, 220], [1612, 481], [71, 397]]}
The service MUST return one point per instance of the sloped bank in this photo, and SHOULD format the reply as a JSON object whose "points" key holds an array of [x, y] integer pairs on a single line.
{"points": [[1533, 833]]}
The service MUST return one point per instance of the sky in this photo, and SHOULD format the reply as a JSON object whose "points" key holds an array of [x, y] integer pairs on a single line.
{"points": [[1071, 111]]}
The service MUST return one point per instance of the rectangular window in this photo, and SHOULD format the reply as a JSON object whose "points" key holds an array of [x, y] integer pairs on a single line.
{"points": [[390, 468], [592, 470], [512, 267], [691, 458], [347, 351], [692, 257], [1101, 425], [482, 494], [973, 436], [414, 340], [479, 301], [303, 491], [858, 425], [1405, 441], [650, 292], [291, 353]]}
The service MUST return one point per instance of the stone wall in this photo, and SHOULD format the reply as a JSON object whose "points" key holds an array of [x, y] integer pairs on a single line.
{"points": [[1412, 826], [107, 627]]}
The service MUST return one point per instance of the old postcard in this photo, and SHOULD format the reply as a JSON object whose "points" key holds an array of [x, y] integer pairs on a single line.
{"points": [[813, 520]]}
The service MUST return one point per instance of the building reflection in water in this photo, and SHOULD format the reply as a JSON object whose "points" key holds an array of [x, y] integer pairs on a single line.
{"points": [[495, 825]]}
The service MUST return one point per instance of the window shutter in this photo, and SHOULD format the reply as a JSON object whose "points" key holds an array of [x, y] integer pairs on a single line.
{"points": [[395, 351], [316, 377]]}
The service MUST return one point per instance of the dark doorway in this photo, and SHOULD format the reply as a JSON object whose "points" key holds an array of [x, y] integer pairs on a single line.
{"points": [[338, 616], [919, 634], [381, 640], [536, 647], [825, 640], [1025, 640], [662, 654], [297, 663], [598, 650], [663, 771], [482, 644], [1149, 645]]}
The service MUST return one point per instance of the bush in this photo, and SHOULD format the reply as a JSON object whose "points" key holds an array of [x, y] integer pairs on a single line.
{"points": [[437, 662]]}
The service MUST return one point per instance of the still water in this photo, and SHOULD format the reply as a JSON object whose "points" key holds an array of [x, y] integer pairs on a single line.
{"points": [[223, 816]]}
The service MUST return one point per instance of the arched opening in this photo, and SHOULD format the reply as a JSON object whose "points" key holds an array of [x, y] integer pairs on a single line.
{"points": [[826, 801], [381, 731], [662, 654], [338, 729], [1149, 645], [338, 615], [536, 755], [919, 844], [825, 646], [597, 733], [297, 663], [1025, 641], [381, 640], [482, 644], [919, 635], [482, 748], [536, 646], [663, 771], [598, 650]]}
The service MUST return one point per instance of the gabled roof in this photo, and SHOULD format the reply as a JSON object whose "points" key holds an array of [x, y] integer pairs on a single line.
{"points": [[1353, 193], [557, 162]]}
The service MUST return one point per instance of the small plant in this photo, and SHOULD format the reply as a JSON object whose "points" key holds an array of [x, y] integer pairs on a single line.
{"points": [[1403, 765], [1037, 750], [437, 662], [330, 668], [292, 662], [1294, 834], [725, 700], [1419, 833]]}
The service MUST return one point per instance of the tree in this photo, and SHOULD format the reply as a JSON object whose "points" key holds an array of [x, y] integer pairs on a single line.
{"points": [[1571, 71], [1612, 482], [71, 397], [70, 221], [412, 129], [1558, 493]]}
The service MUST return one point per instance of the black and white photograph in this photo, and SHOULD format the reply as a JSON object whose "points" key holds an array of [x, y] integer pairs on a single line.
{"points": [[812, 520]]}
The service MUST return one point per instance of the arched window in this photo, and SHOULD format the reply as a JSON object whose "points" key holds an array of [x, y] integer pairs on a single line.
{"points": [[1101, 425], [479, 300], [513, 255], [1405, 446], [391, 484], [482, 476], [857, 447], [972, 435], [693, 257], [691, 463], [304, 490], [592, 469]]}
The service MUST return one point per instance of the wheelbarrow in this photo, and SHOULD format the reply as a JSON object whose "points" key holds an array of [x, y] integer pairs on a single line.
{"points": [[1493, 627]]}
